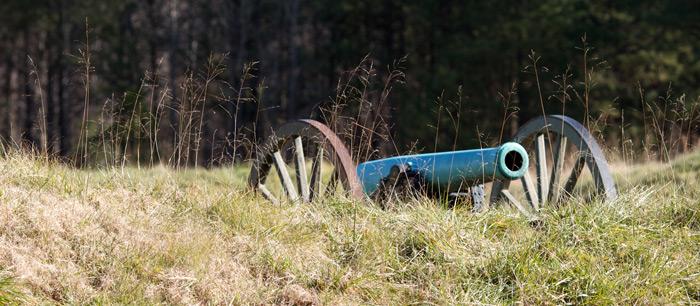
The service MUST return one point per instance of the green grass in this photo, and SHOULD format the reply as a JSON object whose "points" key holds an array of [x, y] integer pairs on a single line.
{"points": [[199, 236]]}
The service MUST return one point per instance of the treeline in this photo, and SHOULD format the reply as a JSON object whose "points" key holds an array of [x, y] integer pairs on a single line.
{"points": [[198, 82]]}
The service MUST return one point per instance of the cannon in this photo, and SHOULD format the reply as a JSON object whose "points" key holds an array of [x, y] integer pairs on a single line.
{"points": [[546, 159], [443, 172]]}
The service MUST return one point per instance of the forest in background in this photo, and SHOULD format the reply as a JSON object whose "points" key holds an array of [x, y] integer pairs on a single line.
{"points": [[198, 82]]}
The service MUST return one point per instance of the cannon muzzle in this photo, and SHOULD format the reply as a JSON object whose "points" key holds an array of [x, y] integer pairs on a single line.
{"points": [[450, 171]]}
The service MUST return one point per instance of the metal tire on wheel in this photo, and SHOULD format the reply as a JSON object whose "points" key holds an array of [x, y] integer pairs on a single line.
{"points": [[327, 149], [546, 188]]}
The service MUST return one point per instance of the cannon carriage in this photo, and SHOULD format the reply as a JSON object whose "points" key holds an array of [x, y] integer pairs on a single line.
{"points": [[548, 156]]}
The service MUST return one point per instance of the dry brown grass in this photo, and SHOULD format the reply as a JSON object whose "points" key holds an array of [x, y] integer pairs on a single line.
{"points": [[102, 239], [159, 236]]}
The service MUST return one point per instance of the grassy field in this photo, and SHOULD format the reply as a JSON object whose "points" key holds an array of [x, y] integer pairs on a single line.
{"points": [[198, 236]]}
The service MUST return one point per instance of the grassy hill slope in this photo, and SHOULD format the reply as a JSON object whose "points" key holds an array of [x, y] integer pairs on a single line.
{"points": [[195, 236]]}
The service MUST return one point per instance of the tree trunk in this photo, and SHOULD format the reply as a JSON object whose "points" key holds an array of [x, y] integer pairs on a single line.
{"points": [[14, 97], [238, 41], [64, 121], [49, 96], [173, 45], [6, 132], [293, 61], [524, 105], [29, 114]]}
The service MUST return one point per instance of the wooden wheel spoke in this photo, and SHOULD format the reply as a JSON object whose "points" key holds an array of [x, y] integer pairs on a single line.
{"points": [[541, 155], [332, 185], [557, 168], [530, 191], [316, 168], [267, 194], [511, 199], [570, 135], [298, 134], [575, 173], [284, 177], [300, 163]]}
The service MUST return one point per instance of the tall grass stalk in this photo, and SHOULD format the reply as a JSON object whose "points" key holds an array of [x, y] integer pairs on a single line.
{"points": [[81, 158]]}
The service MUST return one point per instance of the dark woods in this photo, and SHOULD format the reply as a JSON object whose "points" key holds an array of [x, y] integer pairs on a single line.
{"points": [[199, 82]]}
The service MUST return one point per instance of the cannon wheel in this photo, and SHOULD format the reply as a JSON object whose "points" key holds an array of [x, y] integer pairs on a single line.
{"points": [[555, 136], [327, 149]]}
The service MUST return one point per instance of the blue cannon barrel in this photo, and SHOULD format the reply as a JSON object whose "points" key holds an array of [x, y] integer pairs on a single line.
{"points": [[448, 170]]}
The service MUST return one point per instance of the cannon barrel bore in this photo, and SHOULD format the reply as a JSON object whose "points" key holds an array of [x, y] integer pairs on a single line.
{"points": [[448, 171]]}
